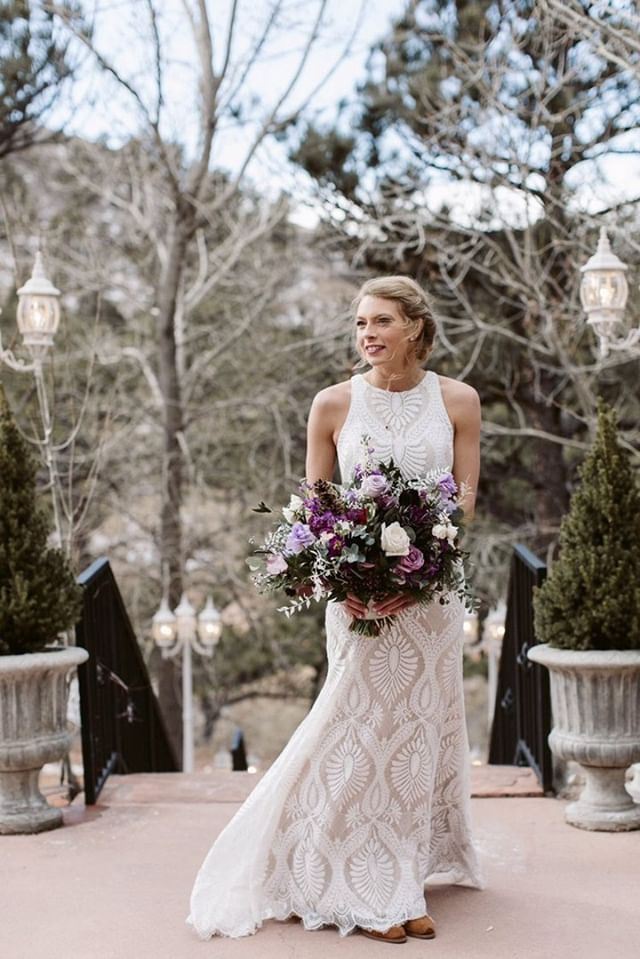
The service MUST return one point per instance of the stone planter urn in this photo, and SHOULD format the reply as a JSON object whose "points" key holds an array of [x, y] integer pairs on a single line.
{"points": [[595, 702], [34, 689]]}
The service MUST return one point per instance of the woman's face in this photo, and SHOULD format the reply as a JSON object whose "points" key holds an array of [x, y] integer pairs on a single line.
{"points": [[382, 334]]}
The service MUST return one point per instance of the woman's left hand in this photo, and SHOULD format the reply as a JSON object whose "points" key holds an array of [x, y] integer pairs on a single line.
{"points": [[393, 604]]}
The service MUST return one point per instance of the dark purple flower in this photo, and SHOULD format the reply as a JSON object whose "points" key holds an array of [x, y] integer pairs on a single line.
{"points": [[335, 545], [322, 522]]}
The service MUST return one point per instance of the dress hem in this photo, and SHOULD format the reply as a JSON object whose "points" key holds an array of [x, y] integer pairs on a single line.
{"points": [[311, 922]]}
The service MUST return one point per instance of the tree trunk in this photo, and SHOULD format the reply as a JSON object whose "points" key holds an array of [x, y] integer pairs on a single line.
{"points": [[171, 558], [549, 476]]}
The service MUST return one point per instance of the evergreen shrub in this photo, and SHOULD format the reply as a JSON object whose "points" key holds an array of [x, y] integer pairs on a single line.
{"points": [[38, 594], [591, 597]]}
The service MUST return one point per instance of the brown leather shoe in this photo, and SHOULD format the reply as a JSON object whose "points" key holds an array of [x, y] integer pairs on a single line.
{"points": [[394, 934], [423, 928]]}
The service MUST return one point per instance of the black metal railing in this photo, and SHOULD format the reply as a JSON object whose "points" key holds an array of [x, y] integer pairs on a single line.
{"points": [[522, 712], [122, 727]]}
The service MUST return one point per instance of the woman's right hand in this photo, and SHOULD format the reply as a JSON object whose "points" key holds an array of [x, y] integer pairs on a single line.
{"points": [[355, 607]]}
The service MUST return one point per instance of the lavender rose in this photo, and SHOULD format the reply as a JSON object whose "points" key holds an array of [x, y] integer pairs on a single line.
{"points": [[374, 485], [299, 538]]}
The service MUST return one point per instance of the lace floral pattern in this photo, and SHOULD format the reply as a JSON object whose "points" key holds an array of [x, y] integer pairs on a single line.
{"points": [[369, 800]]}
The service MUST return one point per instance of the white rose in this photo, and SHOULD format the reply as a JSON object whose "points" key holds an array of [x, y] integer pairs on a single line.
{"points": [[394, 540], [289, 512]]}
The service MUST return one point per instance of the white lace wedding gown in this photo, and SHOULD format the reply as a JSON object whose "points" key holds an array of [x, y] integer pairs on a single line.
{"points": [[370, 797]]}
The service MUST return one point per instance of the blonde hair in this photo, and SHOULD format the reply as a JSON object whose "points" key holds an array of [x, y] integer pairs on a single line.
{"points": [[414, 304]]}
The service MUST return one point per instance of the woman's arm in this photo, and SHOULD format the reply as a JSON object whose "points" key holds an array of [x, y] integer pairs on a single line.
{"points": [[463, 406], [326, 416]]}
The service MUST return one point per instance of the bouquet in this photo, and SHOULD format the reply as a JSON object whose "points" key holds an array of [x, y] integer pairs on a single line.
{"points": [[376, 536]]}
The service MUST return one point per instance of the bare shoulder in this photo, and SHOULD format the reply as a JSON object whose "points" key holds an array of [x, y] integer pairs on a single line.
{"points": [[333, 398], [461, 400], [330, 408]]}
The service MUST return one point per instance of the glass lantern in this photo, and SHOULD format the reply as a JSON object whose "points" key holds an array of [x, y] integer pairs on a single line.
{"points": [[209, 625], [604, 290], [185, 619], [163, 625], [38, 309]]}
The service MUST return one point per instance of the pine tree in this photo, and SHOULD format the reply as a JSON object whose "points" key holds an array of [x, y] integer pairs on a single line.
{"points": [[38, 593], [591, 598], [34, 64]]}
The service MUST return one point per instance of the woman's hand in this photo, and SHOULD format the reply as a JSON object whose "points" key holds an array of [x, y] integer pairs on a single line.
{"points": [[355, 607], [393, 604], [386, 607]]}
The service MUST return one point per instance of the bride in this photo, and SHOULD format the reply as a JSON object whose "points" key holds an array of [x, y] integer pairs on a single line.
{"points": [[370, 798]]}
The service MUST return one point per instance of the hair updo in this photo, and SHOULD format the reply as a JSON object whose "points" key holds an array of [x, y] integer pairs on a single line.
{"points": [[414, 303]]}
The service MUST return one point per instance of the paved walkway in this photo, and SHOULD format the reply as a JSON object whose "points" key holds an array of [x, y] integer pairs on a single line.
{"points": [[114, 882]]}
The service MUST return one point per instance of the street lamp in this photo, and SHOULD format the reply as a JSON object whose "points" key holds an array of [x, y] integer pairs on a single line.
{"points": [[38, 318], [38, 309], [183, 631], [603, 293]]}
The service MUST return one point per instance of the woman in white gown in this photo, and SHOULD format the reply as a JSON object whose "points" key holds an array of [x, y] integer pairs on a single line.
{"points": [[370, 798]]}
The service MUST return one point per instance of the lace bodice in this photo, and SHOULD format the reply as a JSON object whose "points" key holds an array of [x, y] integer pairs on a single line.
{"points": [[412, 426]]}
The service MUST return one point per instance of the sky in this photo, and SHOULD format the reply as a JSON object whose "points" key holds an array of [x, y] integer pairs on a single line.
{"points": [[123, 37], [101, 108]]}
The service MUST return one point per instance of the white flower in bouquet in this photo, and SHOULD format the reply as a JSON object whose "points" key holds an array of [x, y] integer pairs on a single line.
{"points": [[289, 512], [394, 540], [445, 531]]}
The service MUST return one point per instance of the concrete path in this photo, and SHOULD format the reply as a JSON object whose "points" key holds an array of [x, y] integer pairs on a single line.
{"points": [[114, 882]]}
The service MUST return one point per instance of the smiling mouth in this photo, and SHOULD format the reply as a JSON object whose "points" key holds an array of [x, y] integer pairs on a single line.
{"points": [[373, 349]]}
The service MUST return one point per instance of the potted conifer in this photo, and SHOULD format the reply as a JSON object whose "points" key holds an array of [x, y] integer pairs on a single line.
{"points": [[38, 599], [587, 619]]}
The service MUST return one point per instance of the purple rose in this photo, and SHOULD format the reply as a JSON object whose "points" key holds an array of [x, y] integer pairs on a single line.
{"points": [[374, 485], [411, 562], [299, 538]]}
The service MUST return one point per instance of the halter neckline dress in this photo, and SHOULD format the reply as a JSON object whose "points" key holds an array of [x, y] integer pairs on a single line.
{"points": [[370, 798]]}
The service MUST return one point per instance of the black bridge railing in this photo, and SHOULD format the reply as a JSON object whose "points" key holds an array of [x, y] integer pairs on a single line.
{"points": [[122, 727], [522, 713]]}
